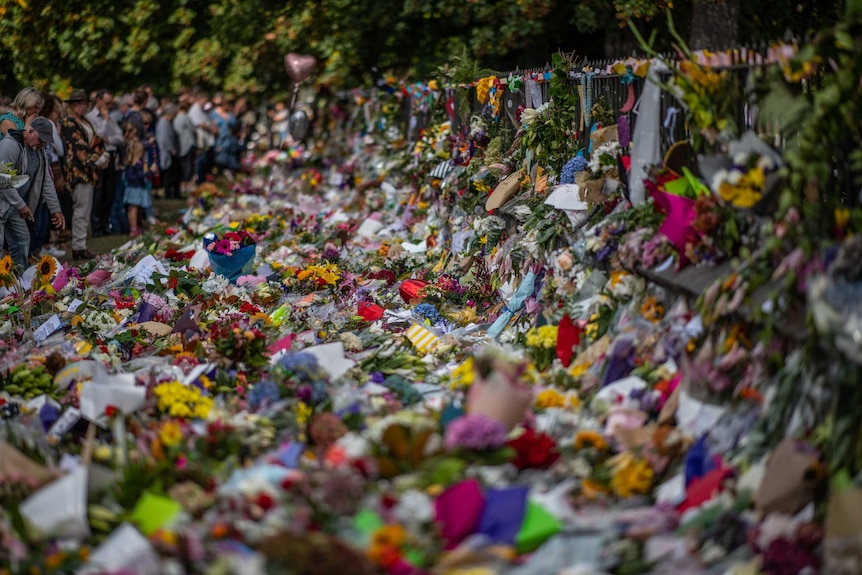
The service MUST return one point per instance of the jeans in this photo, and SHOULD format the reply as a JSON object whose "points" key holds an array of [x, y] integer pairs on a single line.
{"points": [[17, 234], [82, 196], [103, 200], [40, 228], [204, 164]]}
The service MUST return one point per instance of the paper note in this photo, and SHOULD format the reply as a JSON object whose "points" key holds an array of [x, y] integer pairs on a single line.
{"points": [[47, 328], [74, 305], [66, 422]]}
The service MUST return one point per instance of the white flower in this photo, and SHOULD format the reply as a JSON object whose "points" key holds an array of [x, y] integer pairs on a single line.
{"points": [[719, 178], [734, 177], [740, 158], [766, 163], [351, 341], [414, 507], [522, 212], [354, 445], [215, 283]]}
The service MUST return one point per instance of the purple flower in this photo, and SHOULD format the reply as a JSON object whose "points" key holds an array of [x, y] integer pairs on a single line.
{"points": [[475, 431], [377, 377]]}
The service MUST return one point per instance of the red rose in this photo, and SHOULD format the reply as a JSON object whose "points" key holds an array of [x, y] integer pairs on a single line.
{"points": [[534, 451], [265, 501], [111, 411]]}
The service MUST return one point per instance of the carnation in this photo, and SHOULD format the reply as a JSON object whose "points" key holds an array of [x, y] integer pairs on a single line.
{"points": [[476, 432]]}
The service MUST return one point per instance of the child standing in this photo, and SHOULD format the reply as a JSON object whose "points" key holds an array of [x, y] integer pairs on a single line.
{"points": [[137, 195]]}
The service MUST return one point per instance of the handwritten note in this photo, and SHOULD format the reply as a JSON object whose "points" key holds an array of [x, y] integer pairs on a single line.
{"points": [[74, 305], [47, 328]]}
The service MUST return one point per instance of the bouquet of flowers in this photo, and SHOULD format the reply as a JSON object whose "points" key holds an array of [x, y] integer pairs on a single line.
{"points": [[231, 255]]}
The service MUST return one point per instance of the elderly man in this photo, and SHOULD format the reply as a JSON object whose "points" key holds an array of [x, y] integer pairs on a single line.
{"points": [[85, 156], [26, 152]]}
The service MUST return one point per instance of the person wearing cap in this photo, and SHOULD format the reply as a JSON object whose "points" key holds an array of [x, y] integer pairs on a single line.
{"points": [[85, 156], [25, 150]]}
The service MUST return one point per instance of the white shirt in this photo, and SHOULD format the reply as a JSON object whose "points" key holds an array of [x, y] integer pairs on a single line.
{"points": [[199, 118]]}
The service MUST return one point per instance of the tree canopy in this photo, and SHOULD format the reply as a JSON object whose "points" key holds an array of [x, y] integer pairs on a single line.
{"points": [[238, 45]]}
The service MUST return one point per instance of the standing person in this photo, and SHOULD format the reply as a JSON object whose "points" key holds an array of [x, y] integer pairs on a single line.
{"points": [[54, 151], [119, 112], [186, 135], [169, 163], [206, 137], [111, 134], [84, 156], [25, 150], [134, 113], [25, 107], [135, 173]]}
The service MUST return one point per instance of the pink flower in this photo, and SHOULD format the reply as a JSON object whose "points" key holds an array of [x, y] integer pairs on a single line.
{"points": [[182, 462], [223, 247], [250, 280]]}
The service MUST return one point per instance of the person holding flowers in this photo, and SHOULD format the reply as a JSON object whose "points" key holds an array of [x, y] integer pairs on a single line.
{"points": [[25, 151]]}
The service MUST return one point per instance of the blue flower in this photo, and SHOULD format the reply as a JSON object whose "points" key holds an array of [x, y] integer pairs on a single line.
{"points": [[263, 394], [298, 362], [427, 311]]}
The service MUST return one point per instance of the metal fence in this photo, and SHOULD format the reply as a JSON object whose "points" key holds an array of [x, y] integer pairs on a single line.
{"points": [[610, 89]]}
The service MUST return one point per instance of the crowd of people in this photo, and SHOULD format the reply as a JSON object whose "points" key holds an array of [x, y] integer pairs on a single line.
{"points": [[95, 160]]}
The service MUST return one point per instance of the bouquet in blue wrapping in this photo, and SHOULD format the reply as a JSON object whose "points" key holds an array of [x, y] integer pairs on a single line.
{"points": [[232, 254]]}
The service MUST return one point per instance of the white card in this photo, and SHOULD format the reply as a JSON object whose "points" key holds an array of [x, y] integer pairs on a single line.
{"points": [[74, 305], [47, 328], [66, 422]]}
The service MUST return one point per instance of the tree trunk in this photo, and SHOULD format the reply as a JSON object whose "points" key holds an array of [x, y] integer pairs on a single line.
{"points": [[714, 24]]}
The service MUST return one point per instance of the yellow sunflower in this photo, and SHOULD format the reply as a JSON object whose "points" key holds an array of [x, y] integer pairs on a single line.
{"points": [[5, 266], [47, 267]]}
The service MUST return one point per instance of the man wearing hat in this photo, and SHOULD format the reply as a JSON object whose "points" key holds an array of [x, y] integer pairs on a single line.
{"points": [[26, 152], [85, 156]]}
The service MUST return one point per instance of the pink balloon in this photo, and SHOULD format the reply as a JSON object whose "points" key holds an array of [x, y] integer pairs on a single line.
{"points": [[299, 67]]}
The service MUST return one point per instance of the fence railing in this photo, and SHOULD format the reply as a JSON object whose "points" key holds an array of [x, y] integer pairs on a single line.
{"points": [[609, 88]]}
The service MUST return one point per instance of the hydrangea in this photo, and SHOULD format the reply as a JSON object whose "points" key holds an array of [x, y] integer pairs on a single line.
{"points": [[428, 311], [476, 432], [263, 394], [570, 168], [299, 363]]}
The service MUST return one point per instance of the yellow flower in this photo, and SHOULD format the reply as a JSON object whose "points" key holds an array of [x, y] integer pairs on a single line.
{"points": [[46, 268], [588, 439], [579, 369], [549, 398], [616, 277], [842, 217], [463, 375], [302, 412], [543, 337], [5, 266], [630, 476], [171, 433]]}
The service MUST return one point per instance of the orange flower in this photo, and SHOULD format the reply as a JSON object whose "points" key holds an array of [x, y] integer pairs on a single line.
{"points": [[751, 394], [219, 531]]}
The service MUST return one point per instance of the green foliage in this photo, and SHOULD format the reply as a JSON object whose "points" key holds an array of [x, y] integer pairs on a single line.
{"points": [[238, 46]]}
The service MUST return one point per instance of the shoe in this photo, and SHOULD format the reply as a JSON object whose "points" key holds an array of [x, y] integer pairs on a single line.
{"points": [[82, 255], [53, 251]]}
